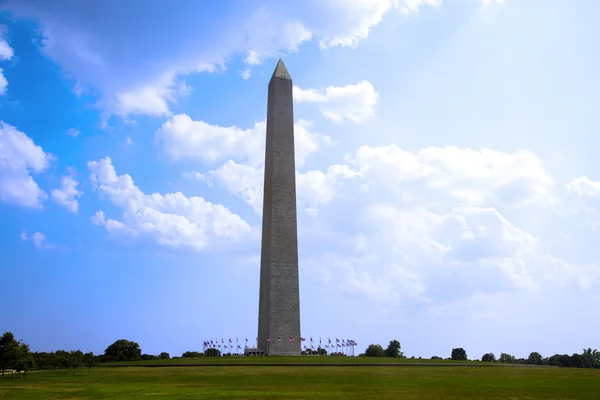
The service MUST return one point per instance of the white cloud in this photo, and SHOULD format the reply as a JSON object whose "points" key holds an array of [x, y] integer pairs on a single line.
{"points": [[413, 6], [470, 177], [98, 218], [584, 200], [3, 82], [144, 78], [268, 34], [350, 21], [489, 2], [295, 34], [6, 53], [245, 181], [198, 176], [68, 193], [73, 132], [112, 225], [172, 220], [245, 74], [435, 176], [253, 58], [182, 137], [38, 239], [420, 218], [316, 188], [149, 99], [356, 18], [19, 157], [583, 186], [353, 103]]}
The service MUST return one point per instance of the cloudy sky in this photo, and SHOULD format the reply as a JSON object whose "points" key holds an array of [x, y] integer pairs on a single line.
{"points": [[447, 171]]}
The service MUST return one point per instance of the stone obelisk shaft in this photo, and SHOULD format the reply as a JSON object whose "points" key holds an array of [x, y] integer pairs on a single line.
{"points": [[279, 304]]}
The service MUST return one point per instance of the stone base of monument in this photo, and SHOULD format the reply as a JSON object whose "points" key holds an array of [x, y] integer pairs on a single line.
{"points": [[253, 352]]}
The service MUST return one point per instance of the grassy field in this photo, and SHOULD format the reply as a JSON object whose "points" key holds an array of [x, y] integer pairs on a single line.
{"points": [[285, 360], [296, 383]]}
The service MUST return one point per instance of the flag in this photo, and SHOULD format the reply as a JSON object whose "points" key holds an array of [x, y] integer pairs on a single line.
{"points": [[311, 340], [291, 339], [269, 339], [337, 340], [279, 339], [329, 340], [239, 347], [303, 339], [229, 340]]}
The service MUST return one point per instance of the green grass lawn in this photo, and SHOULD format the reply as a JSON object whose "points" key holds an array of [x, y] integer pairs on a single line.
{"points": [[308, 383]]}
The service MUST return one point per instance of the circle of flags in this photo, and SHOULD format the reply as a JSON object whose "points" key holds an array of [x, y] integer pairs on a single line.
{"points": [[338, 346]]}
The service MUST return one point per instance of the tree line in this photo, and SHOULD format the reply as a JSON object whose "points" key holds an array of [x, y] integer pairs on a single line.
{"points": [[16, 357], [587, 359]]}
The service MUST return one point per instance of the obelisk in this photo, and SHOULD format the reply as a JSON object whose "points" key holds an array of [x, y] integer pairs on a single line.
{"points": [[279, 303]]}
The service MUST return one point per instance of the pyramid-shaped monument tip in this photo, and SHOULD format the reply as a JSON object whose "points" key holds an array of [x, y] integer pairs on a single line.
{"points": [[281, 71]]}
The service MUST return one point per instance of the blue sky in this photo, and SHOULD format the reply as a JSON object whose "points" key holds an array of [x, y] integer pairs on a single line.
{"points": [[448, 185]]}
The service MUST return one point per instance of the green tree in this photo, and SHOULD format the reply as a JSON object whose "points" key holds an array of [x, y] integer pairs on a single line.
{"points": [[212, 352], [8, 351], [90, 361], [374, 350], [534, 358], [589, 358], [23, 360], [63, 359], [393, 349], [164, 355], [42, 360], [459, 354], [192, 354], [488, 357], [507, 358], [560, 360], [124, 350], [76, 358]]}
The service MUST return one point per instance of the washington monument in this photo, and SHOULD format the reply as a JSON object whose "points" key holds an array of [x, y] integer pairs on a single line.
{"points": [[279, 303]]}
